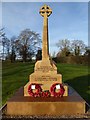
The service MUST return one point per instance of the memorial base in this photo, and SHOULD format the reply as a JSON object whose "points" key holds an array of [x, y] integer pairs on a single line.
{"points": [[67, 105]]}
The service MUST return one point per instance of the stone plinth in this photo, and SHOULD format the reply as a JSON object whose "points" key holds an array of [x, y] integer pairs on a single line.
{"points": [[68, 105], [45, 74]]}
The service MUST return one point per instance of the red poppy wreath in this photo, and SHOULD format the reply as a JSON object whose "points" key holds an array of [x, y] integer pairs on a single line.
{"points": [[59, 87], [33, 86]]}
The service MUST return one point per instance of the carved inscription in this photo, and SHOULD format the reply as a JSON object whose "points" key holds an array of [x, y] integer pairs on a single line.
{"points": [[46, 78], [45, 69]]}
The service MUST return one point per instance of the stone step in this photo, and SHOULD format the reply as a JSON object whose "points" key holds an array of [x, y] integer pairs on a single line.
{"points": [[67, 105]]}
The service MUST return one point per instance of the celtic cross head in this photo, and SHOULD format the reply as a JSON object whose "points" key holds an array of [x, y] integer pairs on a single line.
{"points": [[45, 10]]}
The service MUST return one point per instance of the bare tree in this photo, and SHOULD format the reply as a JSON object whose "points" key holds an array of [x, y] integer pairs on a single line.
{"points": [[13, 48], [78, 47], [2, 41], [87, 51], [27, 43], [64, 46], [5, 43], [7, 47]]}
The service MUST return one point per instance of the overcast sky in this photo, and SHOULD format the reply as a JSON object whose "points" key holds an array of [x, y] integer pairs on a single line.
{"points": [[68, 20]]}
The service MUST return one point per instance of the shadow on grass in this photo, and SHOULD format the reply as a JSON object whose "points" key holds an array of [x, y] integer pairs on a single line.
{"points": [[82, 86]]}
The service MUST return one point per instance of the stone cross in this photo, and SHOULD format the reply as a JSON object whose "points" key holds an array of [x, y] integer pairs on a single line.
{"points": [[45, 11]]}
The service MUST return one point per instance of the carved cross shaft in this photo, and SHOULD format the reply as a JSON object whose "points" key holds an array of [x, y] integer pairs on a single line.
{"points": [[45, 11]]}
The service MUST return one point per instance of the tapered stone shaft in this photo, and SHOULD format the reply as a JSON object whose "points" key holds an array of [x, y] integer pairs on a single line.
{"points": [[45, 11]]}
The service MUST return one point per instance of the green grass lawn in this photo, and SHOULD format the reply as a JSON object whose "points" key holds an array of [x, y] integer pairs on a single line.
{"points": [[15, 75]]}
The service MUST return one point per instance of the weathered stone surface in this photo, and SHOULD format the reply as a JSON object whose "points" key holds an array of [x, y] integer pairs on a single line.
{"points": [[67, 105], [45, 66]]}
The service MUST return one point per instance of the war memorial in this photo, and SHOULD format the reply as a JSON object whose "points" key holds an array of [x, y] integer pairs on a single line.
{"points": [[45, 93]]}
